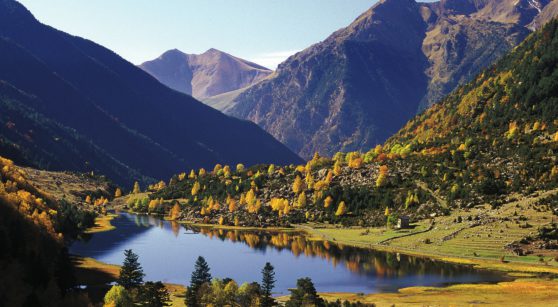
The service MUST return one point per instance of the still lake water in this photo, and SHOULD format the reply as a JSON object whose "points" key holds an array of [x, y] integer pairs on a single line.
{"points": [[167, 252]]}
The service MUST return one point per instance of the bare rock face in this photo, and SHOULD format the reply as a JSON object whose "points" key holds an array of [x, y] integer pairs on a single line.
{"points": [[205, 75], [363, 83]]}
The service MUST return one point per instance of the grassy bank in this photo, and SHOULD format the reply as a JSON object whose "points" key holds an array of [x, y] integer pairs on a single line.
{"points": [[97, 275], [102, 224], [480, 238], [517, 293]]}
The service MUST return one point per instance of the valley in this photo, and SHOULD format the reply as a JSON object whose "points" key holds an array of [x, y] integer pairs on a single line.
{"points": [[409, 159]]}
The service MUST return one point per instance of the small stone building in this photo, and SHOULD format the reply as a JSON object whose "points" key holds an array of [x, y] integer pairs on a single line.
{"points": [[403, 222]]}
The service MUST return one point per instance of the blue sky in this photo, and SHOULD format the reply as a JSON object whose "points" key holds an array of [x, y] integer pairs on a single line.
{"points": [[264, 31]]}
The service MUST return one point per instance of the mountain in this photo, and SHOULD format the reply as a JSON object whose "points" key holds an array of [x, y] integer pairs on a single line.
{"points": [[361, 84], [486, 152], [205, 75], [125, 115]]}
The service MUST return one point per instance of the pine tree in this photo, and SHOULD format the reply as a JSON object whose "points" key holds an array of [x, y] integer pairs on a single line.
{"points": [[154, 294], [199, 277], [268, 283], [131, 273]]}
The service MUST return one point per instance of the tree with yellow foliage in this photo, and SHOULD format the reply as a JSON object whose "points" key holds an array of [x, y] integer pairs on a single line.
{"points": [[88, 199], [329, 176], [341, 209], [221, 220], [271, 169], [217, 168], [181, 176], [175, 212], [309, 180], [387, 212], [192, 174], [161, 185], [356, 162], [298, 185], [250, 198], [196, 188], [337, 168], [202, 172], [556, 137], [136, 188], [118, 193], [328, 201], [382, 178], [240, 167], [301, 202], [227, 171]]}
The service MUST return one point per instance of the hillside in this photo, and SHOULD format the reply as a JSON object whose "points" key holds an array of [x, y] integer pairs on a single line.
{"points": [[482, 161], [204, 75], [364, 82], [35, 223], [125, 114]]}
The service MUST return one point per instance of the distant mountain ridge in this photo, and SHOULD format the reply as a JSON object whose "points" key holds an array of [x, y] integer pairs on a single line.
{"points": [[205, 75], [360, 85], [126, 115]]}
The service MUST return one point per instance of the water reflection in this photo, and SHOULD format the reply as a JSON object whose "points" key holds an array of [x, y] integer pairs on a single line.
{"points": [[360, 261], [168, 250]]}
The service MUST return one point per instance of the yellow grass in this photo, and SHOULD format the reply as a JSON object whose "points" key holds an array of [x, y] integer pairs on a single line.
{"points": [[517, 293], [102, 223]]}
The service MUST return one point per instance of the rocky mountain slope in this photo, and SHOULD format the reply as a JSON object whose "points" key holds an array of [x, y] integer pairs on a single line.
{"points": [[360, 85], [113, 117], [205, 75]]}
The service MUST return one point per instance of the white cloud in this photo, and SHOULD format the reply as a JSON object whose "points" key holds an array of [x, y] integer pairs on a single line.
{"points": [[272, 59]]}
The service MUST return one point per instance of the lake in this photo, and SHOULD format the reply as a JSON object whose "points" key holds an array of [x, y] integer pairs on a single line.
{"points": [[168, 250]]}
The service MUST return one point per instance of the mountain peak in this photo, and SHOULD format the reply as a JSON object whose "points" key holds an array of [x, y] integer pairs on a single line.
{"points": [[205, 75]]}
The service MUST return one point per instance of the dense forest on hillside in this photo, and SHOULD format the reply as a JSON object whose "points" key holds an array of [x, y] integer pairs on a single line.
{"points": [[34, 227], [491, 141]]}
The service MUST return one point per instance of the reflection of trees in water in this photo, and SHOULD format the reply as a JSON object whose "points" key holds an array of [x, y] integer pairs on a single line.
{"points": [[357, 260]]}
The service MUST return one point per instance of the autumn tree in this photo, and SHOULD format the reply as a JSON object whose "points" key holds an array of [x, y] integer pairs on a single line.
{"points": [[337, 168], [131, 273], [192, 174], [232, 204], [118, 296], [328, 201], [298, 185], [268, 283], [301, 200], [118, 193], [88, 199], [240, 167], [382, 178], [136, 188], [175, 211], [271, 168], [196, 188], [341, 209]]}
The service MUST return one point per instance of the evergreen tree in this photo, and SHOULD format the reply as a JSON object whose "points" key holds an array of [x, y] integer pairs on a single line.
{"points": [[131, 273], [199, 277], [154, 294], [305, 294], [268, 282]]}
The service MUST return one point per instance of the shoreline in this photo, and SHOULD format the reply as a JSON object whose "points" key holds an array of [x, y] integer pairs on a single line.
{"points": [[527, 282], [102, 224], [478, 262]]}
